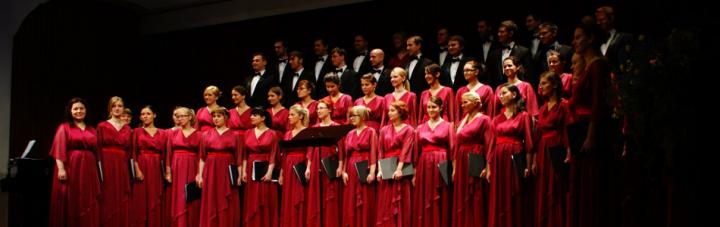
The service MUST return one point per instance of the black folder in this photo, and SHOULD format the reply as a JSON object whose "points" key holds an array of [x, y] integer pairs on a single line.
{"points": [[362, 170], [192, 192], [330, 165], [557, 158], [131, 169], [476, 164], [299, 170], [100, 171], [519, 160], [389, 165], [260, 168], [445, 169], [234, 174]]}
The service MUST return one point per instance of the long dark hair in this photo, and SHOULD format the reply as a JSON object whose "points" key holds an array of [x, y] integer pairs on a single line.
{"points": [[68, 111], [519, 101], [259, 111]]}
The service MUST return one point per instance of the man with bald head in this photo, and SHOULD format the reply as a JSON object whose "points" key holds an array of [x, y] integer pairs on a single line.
{"points": [[380, 72]]}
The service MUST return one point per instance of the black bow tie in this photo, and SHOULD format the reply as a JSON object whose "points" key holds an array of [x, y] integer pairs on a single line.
{"points": [[378, 71], [258, 74], [338, 71], [296, 74], [321, 59], [414, 58], [506, 47], [454, 60], [443, 49], [362, 53], [283, 60]]}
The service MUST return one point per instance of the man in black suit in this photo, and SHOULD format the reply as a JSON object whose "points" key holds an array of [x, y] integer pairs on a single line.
{"points": [[297, 73], [380, 72], [416, 66], [506, 30], [487, 41], [260, 82], [361, 62], [320, 67], [531, 38], [614, 46], [548, 42], [348, 80], [442, 42], [281, 67], [452, 72]]}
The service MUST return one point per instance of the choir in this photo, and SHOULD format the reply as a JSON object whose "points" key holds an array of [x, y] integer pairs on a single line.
{"points": [[113, 175]]}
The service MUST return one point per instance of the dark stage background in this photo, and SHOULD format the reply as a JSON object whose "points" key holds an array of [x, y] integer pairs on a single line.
{"points": [[95, 50]]}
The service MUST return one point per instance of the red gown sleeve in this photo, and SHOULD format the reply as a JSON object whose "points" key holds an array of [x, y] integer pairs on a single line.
{"points": [[408, 141], [59, 146]]}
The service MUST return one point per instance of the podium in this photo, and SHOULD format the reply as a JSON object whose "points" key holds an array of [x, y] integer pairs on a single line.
{"points": [[29, 182], [318, 137]]}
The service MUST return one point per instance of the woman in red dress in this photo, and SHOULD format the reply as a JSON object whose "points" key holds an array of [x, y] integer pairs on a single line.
{"points": [[76, 188], [149, 145], [278, 113], [240, 115], [511, 69], [204, 119], [551, 186], [331, 194], [592, 132], [398, 79], [508, 192], [432, 75], [182, 167], [167, 191], [292, 205], [557, 65], [262, 144], [431, 198], [361, 144], [396, 139], [305, 90], [375, 103], [341, 102], [114, 142], [475, 134], [472, 70], [219, 150]]}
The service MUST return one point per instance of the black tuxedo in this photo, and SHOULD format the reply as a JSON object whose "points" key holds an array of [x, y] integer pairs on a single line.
{"points": [[445, 77], [417, 79], [365, 66], [383, 84], [259, 97], [616, 53], [287, 71], [349, 83], [478, 51], [494, 69], [327, 67], [290, 90]]}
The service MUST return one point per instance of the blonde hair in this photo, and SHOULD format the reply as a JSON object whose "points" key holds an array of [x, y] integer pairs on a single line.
{"points": [[473, 97], [401, 72], [213, 90], [112, 102], [189, 112], [361, 111], [220, 110], [303, 112]]}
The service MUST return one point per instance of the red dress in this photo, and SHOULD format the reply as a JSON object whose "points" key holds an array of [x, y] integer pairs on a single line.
{"points": [[487, 98], [551, 189], [75, 202], [341, 108], [358, 206], [147, 195], [312, 111], [410, 99], [279, 120], [449, 106], [292, 205], [377, 111], [431, 196], [589, 171], [204, 120], [508, 194], [527, 92], [469, 194], [239, 121], [220, 201], [331, 190], [261, 198], [183, 160], [115, 197], [393, 207]]}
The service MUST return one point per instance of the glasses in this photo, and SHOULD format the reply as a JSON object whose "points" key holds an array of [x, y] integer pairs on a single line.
{"points": [[354, 115], [321, 107], [182, 115], [469, 70]]}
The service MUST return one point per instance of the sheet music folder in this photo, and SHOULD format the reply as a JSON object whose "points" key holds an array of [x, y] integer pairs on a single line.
{"points": [[317, 136]]}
